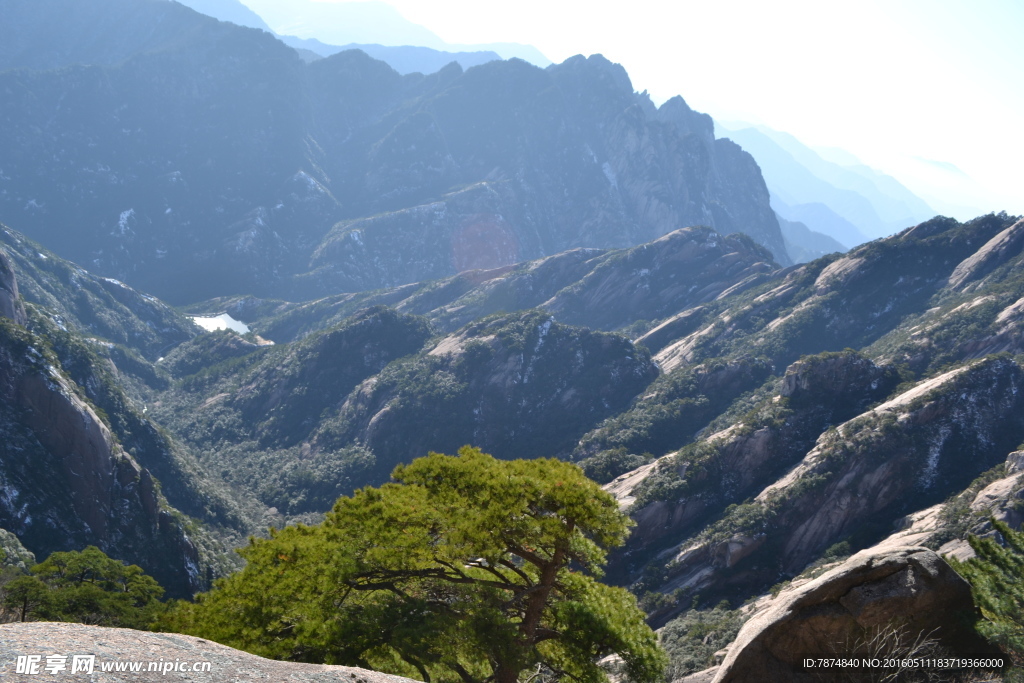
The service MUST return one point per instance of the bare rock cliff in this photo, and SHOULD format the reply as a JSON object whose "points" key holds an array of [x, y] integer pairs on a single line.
{"points": [[902, 456], [67, 482], [726, 467], [10, 303]]}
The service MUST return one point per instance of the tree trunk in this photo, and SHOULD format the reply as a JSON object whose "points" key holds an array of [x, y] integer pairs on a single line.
{"points": [[505, 675]]}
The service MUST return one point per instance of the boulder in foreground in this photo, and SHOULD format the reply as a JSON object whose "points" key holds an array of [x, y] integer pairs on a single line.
{"points": [[910, 589]]}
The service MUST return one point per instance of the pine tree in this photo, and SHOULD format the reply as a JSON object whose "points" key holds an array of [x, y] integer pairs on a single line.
{"points": [[996, 576], [88, 587], [466, 569]]}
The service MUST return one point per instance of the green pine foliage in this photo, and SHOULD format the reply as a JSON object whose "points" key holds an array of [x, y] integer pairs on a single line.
{"points": [[692, 639], [86, 587], [996, 576], [464, 568]]}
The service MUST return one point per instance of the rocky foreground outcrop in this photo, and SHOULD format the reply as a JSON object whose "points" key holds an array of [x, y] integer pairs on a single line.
{"points": [[123, 646], [904, 591]]}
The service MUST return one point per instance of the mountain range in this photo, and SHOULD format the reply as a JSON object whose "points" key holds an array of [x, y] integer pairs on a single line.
{"points": [[734, 410], [364, 22], [195, 158], [847, 201], [538, 262], [840, 197], [405, 59]]}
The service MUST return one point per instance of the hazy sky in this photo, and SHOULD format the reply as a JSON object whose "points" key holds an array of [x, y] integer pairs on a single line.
{"points": [[918, 88]]}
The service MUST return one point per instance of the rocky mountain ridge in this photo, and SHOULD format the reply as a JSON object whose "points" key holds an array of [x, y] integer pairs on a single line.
{"points": [[538, 262], [851, 478], [597, 288], [743, 457], [67, 482], [78, 352], [195, 158]]}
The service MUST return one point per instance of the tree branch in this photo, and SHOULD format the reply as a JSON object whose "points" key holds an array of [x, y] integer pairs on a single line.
{"points": [[527, 555], [501, 576], [383, 580], [526, 579], [463, 674]]}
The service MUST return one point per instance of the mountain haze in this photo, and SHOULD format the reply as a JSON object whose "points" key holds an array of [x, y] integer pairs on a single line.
{"points": [[849, 202], [370, 22], [212, 160], [404, 59]]}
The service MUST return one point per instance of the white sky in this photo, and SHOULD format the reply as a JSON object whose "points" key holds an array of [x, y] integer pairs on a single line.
{"points": [[894, 82]]}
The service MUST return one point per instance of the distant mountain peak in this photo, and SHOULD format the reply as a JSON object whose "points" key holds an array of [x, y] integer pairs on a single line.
{"points": [[852, 195]]}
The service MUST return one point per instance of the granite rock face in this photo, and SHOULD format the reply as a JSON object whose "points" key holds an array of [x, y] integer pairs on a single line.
{"points": [[897, 458], [66, 480], [99, 307], [908, 587], [567, 158], [520, 385], [121, 645], [11, 305], [813, 393]]}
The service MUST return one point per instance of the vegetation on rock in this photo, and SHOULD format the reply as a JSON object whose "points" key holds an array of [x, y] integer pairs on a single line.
{"points": [[464, 568], [692, 639], [996, 575], [87, 587]]}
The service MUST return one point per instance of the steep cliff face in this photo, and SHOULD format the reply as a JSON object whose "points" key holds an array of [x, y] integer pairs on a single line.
{"points": [[685, 490], [211, 160], [733, 175], [909, 452], [104, 335], [100, 307], [81, 460], [520, 385], [11, 305], [545, 161], [67, 482]]}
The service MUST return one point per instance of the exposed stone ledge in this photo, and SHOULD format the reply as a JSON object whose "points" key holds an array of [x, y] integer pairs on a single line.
{"points": [[227, 665], [873, 589]]}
